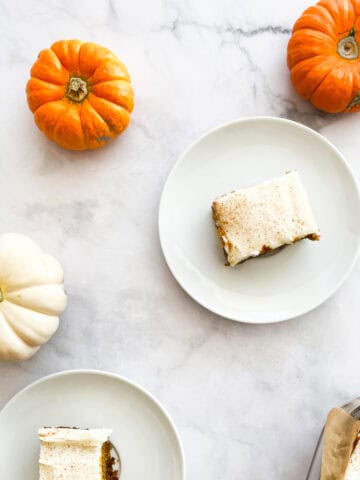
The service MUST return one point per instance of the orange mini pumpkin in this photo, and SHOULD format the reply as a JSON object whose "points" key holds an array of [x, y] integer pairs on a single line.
{"points": [[323, 55], [80, 94]]}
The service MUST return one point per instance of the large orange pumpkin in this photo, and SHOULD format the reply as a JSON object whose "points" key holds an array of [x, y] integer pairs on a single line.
{"points": [[323, 55], [80, 94]]}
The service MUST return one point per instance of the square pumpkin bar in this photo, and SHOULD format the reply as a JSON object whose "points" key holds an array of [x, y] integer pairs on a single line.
{"points": [[75, 454], [260, 219]]}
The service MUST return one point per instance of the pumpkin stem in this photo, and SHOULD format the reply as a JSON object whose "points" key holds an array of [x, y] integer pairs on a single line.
{"points": [[77, 89], [348, 47]]}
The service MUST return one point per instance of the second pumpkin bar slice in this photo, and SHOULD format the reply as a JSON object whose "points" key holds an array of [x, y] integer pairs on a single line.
{"points": [[263, 218]]}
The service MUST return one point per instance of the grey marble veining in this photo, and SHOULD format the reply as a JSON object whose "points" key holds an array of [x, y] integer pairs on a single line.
{"points": [[249, 401]]}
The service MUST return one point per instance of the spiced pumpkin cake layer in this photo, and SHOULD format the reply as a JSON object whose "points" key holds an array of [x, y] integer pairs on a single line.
{"points": [[341, 447], [256, 220]]}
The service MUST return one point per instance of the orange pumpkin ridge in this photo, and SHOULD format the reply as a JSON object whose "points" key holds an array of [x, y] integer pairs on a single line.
{"points": [[80, 94], [323, 55]]}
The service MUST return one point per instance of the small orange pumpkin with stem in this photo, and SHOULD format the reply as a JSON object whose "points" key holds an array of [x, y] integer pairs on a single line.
{"points": [[324, 55], [80, 94]]}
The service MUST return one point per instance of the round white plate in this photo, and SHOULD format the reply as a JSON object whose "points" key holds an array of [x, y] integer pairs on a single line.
{"points": [[240, 154], [143, 433]]}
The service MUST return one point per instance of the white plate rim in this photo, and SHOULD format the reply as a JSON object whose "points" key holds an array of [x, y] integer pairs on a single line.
{"points": [[115, 376], [225, 125]]}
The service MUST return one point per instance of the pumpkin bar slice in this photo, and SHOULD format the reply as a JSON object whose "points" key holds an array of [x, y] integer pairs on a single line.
{"points": [[263, 218], [75, 454], [341, 449]]}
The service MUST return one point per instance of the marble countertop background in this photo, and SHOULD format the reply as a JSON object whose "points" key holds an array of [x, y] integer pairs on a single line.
{"points": [[249, 401]]}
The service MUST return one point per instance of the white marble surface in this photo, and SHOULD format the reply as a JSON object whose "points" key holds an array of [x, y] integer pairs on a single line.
{"points": [[248, 400]]}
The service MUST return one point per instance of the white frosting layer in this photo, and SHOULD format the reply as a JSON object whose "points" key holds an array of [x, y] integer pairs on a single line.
{"points": [[71, 454], [271, 214], [353, 469]]}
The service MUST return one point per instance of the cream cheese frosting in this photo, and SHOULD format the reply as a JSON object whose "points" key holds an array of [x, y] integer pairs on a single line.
{"points": [[264, 217], [71, 454], [353, 468]]}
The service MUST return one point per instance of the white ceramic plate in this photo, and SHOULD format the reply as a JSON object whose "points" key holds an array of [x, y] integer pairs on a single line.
{"points": [[143, 433], [240, 154]]}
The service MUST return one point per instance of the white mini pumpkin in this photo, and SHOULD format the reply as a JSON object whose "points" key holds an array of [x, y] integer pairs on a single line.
{"points": [[31, 297]]}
